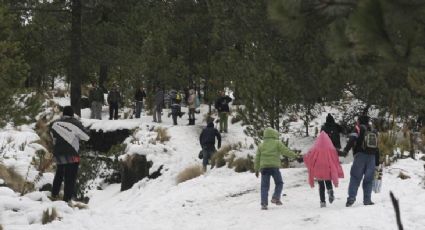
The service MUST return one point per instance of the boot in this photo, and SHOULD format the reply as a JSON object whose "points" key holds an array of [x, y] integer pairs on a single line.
{"points": [[276, 201], [331, 196], [323, 204]]}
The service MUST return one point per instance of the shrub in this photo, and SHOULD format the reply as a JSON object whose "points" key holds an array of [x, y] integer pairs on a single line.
{"points": [[387, 144], [162, 135], [189, 173], [243, 164], [49, 215], [13, 180], [218, 159]]}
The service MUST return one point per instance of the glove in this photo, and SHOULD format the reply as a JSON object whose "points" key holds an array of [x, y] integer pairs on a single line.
{"points": [[257, 174], [300, 159]]}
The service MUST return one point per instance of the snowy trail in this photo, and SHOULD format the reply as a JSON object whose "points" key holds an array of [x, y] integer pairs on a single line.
{"points": [[223, 199]]}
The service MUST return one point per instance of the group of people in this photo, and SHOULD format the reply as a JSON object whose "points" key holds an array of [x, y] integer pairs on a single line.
{"points": [[97, 100], [322, 161]]}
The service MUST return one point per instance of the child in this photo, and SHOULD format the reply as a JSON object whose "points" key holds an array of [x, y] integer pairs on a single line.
{"points": [[176, 110], [267, 161], [323, 164]]}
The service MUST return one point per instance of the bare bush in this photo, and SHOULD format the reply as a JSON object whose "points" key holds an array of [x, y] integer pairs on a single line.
{"points": [[162, 135], [189, 173], [13, 180], [243, 164], [219, 158], [49, 215]]}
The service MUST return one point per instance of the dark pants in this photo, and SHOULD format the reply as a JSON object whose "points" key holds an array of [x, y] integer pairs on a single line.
{"points": [[266, 173], [322, 184], [207, 152], [67, 173], [113, 111], [139, 107], [363, 168]]}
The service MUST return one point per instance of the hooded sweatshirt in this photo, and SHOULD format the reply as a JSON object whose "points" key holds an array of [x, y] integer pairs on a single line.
{"points": [[269, 152], [322, 161]]}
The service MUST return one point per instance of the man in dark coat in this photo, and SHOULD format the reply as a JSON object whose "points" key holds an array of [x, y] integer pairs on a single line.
{"points": [[365, 161], [207, 141], [222, 106], [66, 133], [114, 99], [158, 105], [138, 98]]}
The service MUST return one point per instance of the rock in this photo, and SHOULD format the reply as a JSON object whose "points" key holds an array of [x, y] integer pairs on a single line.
{"points": [[135, 168], [403, 176], [46, 187]]}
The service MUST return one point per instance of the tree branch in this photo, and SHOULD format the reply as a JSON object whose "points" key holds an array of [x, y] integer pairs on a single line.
{"points": [[397, 210]]}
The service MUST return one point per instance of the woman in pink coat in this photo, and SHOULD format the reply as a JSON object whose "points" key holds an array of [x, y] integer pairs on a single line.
{"points": [[323, 164]]}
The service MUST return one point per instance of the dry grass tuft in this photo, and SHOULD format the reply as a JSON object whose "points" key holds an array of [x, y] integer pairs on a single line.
{"points": [[1, 227], [162, 135], [13, 180], [243, 164], [219, 158], [49, 215], [403, 176], [189, 173]]}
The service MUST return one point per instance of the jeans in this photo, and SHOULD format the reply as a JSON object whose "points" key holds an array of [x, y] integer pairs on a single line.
{"points": [[223, 121], [67, 172], [96, 110], [139, 107], [113, 111], [363, 168], [322, 184], [266, 173], [207, 154]]}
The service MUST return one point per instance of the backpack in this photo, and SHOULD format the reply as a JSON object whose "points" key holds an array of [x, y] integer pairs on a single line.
{"points": [[370, 140], [178, 97]]}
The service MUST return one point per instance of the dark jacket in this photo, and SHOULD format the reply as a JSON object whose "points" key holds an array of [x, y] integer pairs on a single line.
{"points": [[333, 130], [114, 97], [96, 95], [222, 104], [208, 135], [140, 95], [159, 99], [356, 140], [66, 133]]}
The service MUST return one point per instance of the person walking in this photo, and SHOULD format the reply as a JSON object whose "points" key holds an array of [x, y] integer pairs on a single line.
{"points": [[267, 161], [364, 142], [66, 133], [158, 105], [222, 106], [322, 163], [114, 100], [191, 102], [333, 130], [139, 96], [96, 99], [207, 141]]}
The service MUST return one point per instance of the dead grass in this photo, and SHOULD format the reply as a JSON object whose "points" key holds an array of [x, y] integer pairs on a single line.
{"points": [[189, 173], [403, 176], [162, 135], [49, 215], [14, 181], [1, 227], [219, 158], [243, 164]]}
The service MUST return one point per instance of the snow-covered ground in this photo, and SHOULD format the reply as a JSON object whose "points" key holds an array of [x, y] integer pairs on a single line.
{"points": [[220, 199]]}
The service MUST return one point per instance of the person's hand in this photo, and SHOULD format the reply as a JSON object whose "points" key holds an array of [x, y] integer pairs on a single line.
{"points": [[300, 159], [257, 174]]}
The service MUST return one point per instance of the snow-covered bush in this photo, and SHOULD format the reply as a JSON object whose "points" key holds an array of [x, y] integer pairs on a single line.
{"points": [[189, 173]]}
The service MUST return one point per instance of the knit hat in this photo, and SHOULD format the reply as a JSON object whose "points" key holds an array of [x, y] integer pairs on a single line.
{"points": [[68, 111]]}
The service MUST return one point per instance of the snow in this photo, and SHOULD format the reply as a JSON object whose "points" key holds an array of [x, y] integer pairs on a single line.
{"points": [[219, 199]]}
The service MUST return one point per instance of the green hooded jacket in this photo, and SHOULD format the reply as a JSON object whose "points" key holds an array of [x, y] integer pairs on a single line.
{"points": [[269, 152]]}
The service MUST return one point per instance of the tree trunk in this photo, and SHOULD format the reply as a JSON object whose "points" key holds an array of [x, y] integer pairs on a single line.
{"points": [[103, 76], [75, 57]]}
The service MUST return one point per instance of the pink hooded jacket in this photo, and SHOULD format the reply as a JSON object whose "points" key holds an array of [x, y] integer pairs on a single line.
{"points": [[322, 161]]}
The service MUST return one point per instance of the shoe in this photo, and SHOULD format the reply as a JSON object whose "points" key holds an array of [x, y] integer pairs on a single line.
{"points": [[276, 201], [264, 207], [331, 196], [54, 198], [368, 203], [349, 203], [323, 204]]}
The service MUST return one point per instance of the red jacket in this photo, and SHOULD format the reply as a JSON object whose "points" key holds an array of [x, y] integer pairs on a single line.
{"points": [[322, 161]]}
